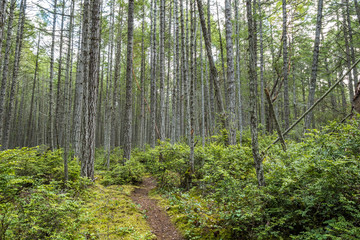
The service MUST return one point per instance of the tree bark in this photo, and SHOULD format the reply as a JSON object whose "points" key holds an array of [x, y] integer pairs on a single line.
{"points": [[230, 74], [214, 74], [285, 66], [129, 66], [6, 67], [252, 84], [312, 88]]}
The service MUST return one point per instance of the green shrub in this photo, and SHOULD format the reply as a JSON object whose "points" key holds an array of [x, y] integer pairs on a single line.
{"points": [[129, 173]]}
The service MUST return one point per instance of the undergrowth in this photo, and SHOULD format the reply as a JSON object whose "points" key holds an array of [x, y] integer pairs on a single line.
{"points": [[312, 191]]}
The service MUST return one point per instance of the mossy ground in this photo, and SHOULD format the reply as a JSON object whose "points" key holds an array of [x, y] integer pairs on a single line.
{"points": [[111, 214]]}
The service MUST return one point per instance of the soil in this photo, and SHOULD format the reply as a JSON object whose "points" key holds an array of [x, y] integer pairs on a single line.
{"points": [[157, 218]]}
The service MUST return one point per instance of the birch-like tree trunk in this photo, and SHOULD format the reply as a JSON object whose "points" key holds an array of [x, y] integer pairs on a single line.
{"points": [[128, 105]]}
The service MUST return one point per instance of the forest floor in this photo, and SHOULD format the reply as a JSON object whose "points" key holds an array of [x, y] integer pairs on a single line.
{"points": [[126, 212], [156, 217]]}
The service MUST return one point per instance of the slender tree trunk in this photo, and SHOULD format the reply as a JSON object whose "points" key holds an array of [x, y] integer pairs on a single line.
{"points": [[162, 70], [153, 80], [222, 55], [285, 67], [128, 106], [50, 125], [214, 73], [311, 99], [28, 137], [59, 100], [262, 83], [142, 84], [202, 93], [253, 120], [230, 74], [19, 38], [67, 105], [238, 72]]}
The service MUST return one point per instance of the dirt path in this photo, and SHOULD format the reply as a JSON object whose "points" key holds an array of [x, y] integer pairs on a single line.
{"points": [[157, 218]]}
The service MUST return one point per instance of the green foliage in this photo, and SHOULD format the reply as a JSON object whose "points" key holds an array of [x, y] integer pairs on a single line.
{"points": [[35, 203], [312, 191], [131, 172]]}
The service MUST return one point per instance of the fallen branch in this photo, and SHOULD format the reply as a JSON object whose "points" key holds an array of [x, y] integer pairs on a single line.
{"points": [[314, 105]]}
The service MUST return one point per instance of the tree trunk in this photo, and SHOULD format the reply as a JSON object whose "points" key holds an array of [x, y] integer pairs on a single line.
{"points": [[6, 67], [285, 67], [214, 73], [312, 88], [80, 84], [128, 105], [230, 74], [28, 137], [162, 70], [19, 38], [153, 80], [252, 84]]}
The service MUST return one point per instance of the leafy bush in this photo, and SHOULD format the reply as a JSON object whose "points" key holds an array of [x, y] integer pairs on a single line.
{"points": [[131, 172], [312, 191], [35, 203]]}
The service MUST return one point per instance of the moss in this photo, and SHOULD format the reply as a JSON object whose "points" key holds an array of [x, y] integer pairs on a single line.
{"points": [[111, 214]]}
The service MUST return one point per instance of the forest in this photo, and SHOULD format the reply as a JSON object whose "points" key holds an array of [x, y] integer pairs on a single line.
{"points": [[183, 119]]}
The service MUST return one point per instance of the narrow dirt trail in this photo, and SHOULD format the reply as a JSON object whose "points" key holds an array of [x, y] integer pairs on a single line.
{"points": [[157, 218]]}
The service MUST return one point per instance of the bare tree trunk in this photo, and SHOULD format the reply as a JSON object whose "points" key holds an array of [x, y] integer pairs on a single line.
{"points": [[17, 57], [51, 98], [80, 84], [262, 83], [238, 72], [142, 84], [174, 125], [67, 105], [6, 67], [28, 137], [59, 102], [153, 80], [214, 73], [222, 54], [162, 70], [311, 99], [253, 120], [128, 106], [93, 80], [285, 66], [230, 74]]}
